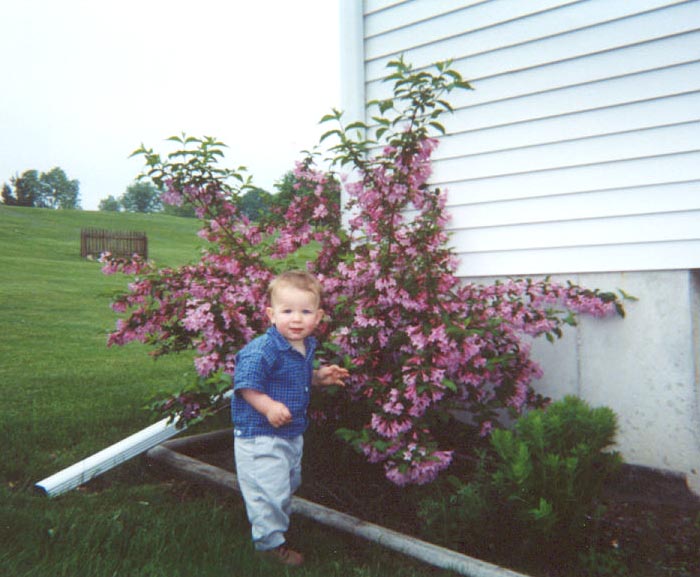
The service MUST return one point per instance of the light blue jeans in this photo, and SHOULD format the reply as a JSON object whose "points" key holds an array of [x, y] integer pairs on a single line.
{"points": [[269, 472]]}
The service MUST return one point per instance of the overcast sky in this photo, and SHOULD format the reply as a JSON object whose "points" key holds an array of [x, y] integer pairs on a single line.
{"points": [[85, 82]]}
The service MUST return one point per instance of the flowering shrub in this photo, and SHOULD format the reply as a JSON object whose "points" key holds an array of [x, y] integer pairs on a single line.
{"points": [[418, 342]]}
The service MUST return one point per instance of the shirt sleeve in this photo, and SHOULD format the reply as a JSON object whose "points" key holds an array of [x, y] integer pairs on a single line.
{"points": [[252, 370]]}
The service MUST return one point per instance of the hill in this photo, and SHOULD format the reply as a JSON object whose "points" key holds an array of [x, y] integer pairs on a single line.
{"points": [[63, 389]]}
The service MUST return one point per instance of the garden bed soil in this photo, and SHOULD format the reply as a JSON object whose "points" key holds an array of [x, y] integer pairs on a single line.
{"points": [[651, 519]]}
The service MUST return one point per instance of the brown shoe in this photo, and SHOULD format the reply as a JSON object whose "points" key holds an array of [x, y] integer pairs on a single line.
{"points": [[284, 555]]}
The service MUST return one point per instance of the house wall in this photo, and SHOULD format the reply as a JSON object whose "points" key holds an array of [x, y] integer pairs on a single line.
{"points": [[577, 154], [578, 149]]}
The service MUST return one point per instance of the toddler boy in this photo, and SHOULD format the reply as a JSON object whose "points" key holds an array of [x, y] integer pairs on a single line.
{"points": [[272, 381]]}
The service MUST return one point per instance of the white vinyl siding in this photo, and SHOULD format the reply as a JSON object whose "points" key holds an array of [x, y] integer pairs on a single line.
{"points": [[579, 149]]}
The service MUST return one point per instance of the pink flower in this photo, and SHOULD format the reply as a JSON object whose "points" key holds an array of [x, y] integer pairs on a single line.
{"points": [[390, 428], [207, 364], [393, 406], [486, 428]]}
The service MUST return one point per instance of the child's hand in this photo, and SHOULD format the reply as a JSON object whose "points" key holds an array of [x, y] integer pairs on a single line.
{"points": [[278, 414], [330, 375]]}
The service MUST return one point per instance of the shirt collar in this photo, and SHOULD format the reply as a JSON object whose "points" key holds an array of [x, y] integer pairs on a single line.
{"points": [[283, 344]]}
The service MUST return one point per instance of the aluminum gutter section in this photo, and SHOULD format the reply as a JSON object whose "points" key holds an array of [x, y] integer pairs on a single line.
{"points": [[114, 455], [108, 458]]}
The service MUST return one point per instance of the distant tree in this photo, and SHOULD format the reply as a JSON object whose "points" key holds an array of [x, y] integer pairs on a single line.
{"points": [[28, 189], [141, 197], [50, 189], [58, 191], [8, 196], [285, 190], [255, 203], [109, 204]]}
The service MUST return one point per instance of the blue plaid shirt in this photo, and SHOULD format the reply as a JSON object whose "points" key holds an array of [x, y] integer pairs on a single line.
{"points": [[271, 365]]}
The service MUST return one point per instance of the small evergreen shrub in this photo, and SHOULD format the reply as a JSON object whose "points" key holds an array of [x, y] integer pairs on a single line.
{"points": [[537, 487]]}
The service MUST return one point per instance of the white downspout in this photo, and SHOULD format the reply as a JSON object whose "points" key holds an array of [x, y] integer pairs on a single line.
{"points": [[93, 466], [108, 458], [352, 60], [352, 70]]}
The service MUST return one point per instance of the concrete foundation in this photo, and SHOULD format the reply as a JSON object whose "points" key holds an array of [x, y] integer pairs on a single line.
{"points": [[645, 367]]}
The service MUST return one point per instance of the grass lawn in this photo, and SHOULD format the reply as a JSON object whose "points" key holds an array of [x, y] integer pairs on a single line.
{"points": [[66, 396]]}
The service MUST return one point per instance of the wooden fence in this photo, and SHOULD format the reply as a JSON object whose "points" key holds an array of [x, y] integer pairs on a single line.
{"points": [[95, 241]]}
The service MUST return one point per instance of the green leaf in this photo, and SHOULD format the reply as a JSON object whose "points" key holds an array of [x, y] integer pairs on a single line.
{"points": [[347, 435], [451, 385], [385, 105], [140, 150], [347, 362], [543, 511], [381, 120], [446, 105], [627, 297], [357, 124], [330, 133], [620, 309], [437, 126], [328, 117]]}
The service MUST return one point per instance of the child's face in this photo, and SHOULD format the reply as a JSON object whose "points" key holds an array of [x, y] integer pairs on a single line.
{"points": [[295, 313]]}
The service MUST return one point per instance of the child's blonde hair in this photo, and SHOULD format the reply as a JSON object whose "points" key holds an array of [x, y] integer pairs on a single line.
{"points": [[299, 279]]}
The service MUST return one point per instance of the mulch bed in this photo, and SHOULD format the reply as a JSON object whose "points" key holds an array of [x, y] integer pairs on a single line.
{"points": [[651, 523]]}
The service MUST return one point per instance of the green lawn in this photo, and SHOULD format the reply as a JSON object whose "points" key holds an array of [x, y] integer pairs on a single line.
{"points": [[66, 396]]}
